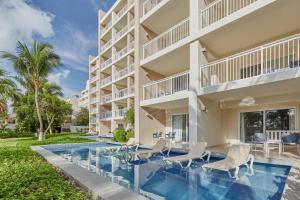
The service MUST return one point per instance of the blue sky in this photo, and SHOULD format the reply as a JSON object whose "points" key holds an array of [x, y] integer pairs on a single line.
{"points": [[69, 25]]}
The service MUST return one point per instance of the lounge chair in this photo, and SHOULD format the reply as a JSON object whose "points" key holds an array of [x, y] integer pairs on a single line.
{"points": [[196, 152], [158, 148], [130, 145], [237, 155]]}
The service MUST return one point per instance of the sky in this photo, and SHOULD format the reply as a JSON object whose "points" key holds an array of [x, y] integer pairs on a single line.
{"points": [[69, 25]]}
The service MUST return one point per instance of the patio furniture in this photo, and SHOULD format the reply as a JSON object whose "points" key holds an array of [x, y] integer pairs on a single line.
{"points": [[130, 145], [237, 156], [259, 138], [291, 139], [158, 148], [273, 142], [197, 151]]}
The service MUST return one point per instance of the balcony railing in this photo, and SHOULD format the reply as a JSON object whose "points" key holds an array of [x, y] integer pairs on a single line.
{"points": [[106, 45], [94, 100], [108, 26], [166, 39], [93, 89], [220, 9], [120, 112], [266, 59], [106, 99], [149, 5], [106, 115], [94, 111], [106, 63], [94, 79], [124, 92], [123, 10], [124, 30], [92, 121], [124, 51], [106, 80], [124, 72], [166, 86]]}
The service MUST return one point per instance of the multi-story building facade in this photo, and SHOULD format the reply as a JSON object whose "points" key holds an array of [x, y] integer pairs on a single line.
{"points": [[217, 71], [84, 97]]}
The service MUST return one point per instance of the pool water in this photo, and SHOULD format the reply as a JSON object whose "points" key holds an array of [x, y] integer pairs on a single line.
{"points": [[157, 180]]}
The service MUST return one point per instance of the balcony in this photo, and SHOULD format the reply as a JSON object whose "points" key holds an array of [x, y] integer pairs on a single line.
{"points": [[92, 121], [94, 100], [167, 39], [106, 99], [220, 9], [270, 59], [93, 89], [106, 81], [106, 28], [93, 111], [123, 93], [124, 10], [122, 32], [106, 115], [124, 51], [106, 63], [149, 5], [95, 78], [167, 86], [124, 72], [106, 45], [120, 113]]}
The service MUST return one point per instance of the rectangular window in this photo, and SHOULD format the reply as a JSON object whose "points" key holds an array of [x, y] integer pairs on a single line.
{"points": [[280, 119]]}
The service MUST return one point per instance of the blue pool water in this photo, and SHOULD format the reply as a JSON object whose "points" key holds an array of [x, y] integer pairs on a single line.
{"points": [[157, 180]]}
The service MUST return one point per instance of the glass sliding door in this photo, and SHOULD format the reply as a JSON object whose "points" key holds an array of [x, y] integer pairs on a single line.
{"points": [[180, 127], [261, 121], [251, 122]]}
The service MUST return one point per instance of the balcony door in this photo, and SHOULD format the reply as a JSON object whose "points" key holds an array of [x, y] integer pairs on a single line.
{"points": [[267, 120], [180, 127]]}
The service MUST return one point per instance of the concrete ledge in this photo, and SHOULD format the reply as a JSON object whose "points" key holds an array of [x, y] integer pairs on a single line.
{"points": [[93, 183]]}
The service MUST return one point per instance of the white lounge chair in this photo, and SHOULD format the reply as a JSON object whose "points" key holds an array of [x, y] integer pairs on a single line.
{"points": [[237, 156], [159, 147], [130, 145], [197, 151]]}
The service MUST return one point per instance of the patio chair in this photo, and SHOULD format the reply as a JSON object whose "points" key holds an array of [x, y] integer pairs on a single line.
{"points": [[197, 151], [259, 138], [291, 139], [158, 148], [237, 156], [130, 145]]}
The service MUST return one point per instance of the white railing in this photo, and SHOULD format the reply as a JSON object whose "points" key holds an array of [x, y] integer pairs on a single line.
{"points": [[94, 111], [106, 45], [108, 26], [106, 115], [266, 59], [94, 78], [166, 86], [106, 63], [120, 112], [149, 5], [93, 68], [124, 51], [277, 134], [121, 12], [106, 80], [93, 89], [124, 72], [124, 92], [94, 100], [220, 9], [92, 121], [166, 39], [122, 32], [105, 99]]}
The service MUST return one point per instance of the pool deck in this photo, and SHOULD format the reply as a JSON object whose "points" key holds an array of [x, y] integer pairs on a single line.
{"points": [[97, 186], [101, 188]]}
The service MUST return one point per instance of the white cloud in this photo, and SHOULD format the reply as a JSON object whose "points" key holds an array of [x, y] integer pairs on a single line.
{"points": [[20, 21], [59, 76]]}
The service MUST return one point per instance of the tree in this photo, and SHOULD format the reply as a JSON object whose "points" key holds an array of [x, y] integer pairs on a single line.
{"points": [[33, 66], [82, 117], [129, 117]]}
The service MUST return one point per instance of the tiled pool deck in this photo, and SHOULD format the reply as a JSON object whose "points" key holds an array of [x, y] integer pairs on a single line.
{"points": [[100, 188]]}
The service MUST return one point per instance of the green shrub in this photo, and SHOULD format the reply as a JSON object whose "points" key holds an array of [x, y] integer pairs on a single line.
{"points": [[129, 134], [7, 133], [120, 135]]}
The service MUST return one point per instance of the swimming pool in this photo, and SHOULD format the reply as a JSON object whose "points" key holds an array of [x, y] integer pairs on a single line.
{"points": [[156, 180]]}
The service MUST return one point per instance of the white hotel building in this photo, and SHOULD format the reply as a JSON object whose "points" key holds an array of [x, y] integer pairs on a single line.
{"points": [[217, 71]]}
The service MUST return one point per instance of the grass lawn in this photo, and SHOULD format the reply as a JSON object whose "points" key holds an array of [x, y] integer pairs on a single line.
{"points": [[25, 175]]}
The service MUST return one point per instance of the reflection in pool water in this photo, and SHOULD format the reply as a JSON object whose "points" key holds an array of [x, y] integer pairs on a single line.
{"points": [[157, 180]]}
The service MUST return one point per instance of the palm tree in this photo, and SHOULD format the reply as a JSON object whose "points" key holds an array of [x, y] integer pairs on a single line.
{"points": [[8, 90], [33, 66]]}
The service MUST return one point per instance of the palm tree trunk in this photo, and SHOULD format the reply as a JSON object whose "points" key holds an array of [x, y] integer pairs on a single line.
{"points": [[36, 98]]}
